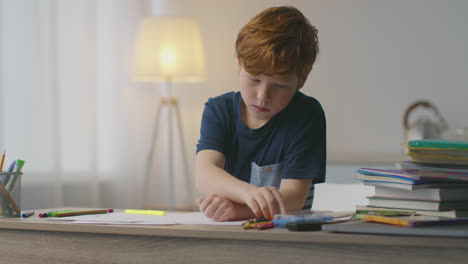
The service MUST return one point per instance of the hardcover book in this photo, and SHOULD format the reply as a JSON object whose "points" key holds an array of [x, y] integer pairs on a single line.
{"points": [[409, 186], [431, 194], [439, 160], [409, 165], [417, 204]]}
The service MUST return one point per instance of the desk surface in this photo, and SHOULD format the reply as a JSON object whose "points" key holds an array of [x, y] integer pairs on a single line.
{"points": [[217, 244]]}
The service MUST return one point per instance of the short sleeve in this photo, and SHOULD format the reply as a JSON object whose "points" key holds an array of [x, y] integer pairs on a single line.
{"points": [[306, 155], [213, 127]]}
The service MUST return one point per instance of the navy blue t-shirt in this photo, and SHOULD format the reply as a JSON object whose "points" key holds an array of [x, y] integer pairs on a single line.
{"points": [[292, 145]]}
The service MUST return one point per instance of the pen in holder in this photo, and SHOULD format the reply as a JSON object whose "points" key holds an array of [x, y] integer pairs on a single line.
{"points": [[10, 194]]}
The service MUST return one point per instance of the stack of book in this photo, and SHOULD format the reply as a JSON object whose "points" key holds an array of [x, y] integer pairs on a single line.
{"points": [[439, 151], [433, 182]]}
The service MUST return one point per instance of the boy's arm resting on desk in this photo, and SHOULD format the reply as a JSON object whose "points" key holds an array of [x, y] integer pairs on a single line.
{"points": [[222, 190], [211, 178], [295, 192], [248, 200], [222, 209]]}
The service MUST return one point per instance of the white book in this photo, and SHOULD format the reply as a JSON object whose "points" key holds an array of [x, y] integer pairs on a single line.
{"points": [[417, 186], [375, 201], [431, 194]]}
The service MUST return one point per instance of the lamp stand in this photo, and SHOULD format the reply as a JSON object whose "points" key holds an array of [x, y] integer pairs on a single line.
{"points": [[170, 103]]}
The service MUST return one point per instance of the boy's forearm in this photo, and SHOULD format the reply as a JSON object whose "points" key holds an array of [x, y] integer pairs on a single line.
{"points": [[242, 212], [217, 181], [294, 193], [214, 180], [292, 203]]}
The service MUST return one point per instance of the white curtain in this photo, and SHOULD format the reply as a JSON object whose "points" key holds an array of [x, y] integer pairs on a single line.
{"points": [[68, 106]]}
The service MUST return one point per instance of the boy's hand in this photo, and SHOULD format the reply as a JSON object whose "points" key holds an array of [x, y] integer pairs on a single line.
{"points": [[265, 202], [217, 208]]}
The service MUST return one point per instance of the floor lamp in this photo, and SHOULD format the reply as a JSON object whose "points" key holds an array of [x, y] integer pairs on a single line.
{"points": [[168, 50]]}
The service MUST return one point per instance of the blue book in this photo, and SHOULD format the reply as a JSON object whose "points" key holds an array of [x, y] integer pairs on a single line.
{"points": [[399, 176], [413, 176]]}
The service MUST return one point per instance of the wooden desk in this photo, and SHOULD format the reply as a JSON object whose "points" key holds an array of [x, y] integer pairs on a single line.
{"points": [[36, 240]]}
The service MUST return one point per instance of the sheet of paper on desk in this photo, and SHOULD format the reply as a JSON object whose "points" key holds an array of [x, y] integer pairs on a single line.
{"points": [[197, 218], [116, 219], [341, 197], [120, 218]]}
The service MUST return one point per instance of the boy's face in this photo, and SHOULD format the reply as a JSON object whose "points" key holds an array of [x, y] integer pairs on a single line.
{"points": [[264, 96]]}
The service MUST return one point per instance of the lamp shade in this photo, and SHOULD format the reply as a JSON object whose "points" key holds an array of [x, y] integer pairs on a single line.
{"points": [[169, 49]]}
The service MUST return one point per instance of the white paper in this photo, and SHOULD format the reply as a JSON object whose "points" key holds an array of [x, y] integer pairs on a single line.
{"points": [[198, 218], [341, 197], [121, 218]]}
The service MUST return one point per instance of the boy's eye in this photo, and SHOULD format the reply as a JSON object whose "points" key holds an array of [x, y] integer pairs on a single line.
{"points": [[254, 80], [280, 86]]}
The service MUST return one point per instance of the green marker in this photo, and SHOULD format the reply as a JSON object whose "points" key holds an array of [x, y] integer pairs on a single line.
{"points": [[12, 182], [19, 165], [54, 213]]}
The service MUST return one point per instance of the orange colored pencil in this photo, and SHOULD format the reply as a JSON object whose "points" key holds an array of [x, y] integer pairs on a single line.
{"points": [[2, 160], [386, 220]]}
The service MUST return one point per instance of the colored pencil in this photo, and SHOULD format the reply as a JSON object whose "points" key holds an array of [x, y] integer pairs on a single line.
{"points": [[86, 212], [2, 160]]}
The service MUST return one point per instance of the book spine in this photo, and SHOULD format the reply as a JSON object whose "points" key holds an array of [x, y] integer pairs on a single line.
{"points": [[463, 145], [432, 156], [401, 176]]}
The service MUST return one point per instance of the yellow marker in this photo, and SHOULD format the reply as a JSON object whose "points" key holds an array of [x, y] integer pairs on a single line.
{"points": [[144, 212]]}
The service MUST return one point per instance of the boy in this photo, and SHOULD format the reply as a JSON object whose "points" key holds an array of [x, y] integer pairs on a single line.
{"points": [[261, 149]]}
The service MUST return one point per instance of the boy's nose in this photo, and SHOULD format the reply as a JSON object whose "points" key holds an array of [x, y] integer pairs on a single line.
{"points": [[263, 93]]}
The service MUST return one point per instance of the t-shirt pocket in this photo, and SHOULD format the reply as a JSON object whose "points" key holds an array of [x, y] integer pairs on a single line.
{"points": [[269, 175]]}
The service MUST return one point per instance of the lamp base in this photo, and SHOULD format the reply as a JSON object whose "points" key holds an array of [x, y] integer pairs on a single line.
{"points": [[171, 104]]}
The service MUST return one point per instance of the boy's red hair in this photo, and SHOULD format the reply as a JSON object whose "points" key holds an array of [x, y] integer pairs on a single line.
{"points": [[278, 40]]}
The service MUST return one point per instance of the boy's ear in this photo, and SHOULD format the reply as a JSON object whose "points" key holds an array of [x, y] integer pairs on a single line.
{"points": [[301, 82], [239, 64], [304, 76]]}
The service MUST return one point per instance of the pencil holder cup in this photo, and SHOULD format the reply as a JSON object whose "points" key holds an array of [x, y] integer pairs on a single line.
{"points": [[10, 194]]}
